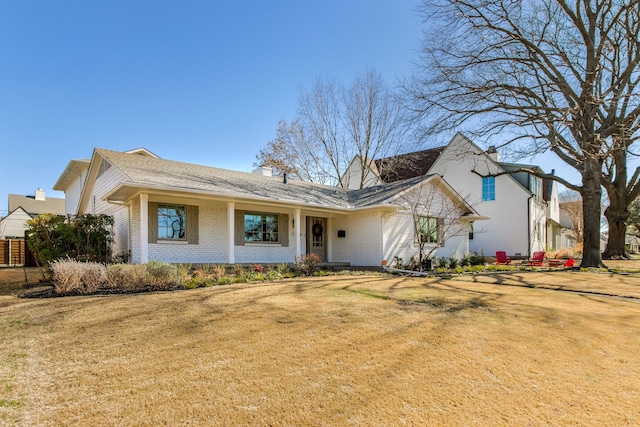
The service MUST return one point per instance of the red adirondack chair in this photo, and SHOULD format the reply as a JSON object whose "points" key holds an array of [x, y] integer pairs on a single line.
{"points": [[502, 258], [569, 263], [537, 258]]}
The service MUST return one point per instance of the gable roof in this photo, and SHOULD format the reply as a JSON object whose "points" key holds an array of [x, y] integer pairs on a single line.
{"points": [[159, 175], [54, 205], [408, 165]]}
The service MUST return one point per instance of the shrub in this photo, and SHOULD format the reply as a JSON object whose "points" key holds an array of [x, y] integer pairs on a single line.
{"points": [[66, 274], [397, 262], [94, 276], [258, 268], [453, 262], [127, 277], [162, 274], [440, 262], [306, 265], [238, 270]]}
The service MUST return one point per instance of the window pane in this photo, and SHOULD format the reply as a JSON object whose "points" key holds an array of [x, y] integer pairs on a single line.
{"points": [[171, 222], [429, 230], [260, 227], [488, 188]]}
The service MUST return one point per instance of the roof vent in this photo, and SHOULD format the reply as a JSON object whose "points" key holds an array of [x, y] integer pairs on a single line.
{"points": [[40, 194]]}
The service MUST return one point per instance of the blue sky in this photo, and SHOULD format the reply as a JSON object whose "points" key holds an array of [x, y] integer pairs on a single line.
{"points": [[196, 81]]}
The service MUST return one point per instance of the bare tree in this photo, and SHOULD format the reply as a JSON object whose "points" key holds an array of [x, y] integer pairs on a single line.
{"points": [[571, 206], [436, 217], [336, 125], [549, 74], [634, 218], [291, 152]]}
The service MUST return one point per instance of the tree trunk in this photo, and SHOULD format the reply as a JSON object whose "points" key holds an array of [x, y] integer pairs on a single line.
{"points": [[617, 212], [617, 215], [591, 193]]}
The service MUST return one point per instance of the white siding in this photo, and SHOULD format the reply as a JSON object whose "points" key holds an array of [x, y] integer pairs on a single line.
{"points": [[14, 224], [507, 228], [98, 206], [72, 194]]}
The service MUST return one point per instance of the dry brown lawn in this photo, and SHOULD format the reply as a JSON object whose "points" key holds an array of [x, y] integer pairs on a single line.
{"points": [[374, 350]]}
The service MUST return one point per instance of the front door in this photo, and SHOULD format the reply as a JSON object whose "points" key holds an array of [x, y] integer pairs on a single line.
{"points": [[316, 237]]}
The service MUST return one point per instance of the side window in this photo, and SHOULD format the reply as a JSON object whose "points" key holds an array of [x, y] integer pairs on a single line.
{"points": [[488, 188], [429, 232]]}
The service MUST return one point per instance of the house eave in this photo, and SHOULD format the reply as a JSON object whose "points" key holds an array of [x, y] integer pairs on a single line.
{"points": [[125, 192]]}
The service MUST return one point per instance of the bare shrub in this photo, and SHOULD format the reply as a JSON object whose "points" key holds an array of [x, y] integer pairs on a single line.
{"points": [[94, 276], [305, 264], [127, 277], [67, 275]]}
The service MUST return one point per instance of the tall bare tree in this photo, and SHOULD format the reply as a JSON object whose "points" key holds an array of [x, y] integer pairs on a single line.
{"points": [[336, 125], [549, 74]]}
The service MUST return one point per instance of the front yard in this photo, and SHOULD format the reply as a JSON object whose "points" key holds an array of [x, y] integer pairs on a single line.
{"points": [[488, 349]]}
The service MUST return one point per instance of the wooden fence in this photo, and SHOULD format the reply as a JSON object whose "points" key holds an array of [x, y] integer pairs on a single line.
{"points": [[15, 252]]}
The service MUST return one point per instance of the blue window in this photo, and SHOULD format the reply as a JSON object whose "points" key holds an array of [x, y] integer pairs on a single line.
{"points": [[488, 188]]}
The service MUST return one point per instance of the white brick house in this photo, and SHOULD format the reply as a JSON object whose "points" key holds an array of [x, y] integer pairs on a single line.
{"points": [[184, 213]]}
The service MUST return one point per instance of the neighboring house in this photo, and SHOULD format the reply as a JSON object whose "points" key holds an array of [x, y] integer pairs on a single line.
{"points": [[632, 243], [23, 208], [14, 225], [571, 222], [184, 213], [554, 227], [513, 203]]}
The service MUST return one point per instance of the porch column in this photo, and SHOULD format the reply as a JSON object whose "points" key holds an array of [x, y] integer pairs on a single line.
{"points": [[144, 228], [329, 236], [298, 233], [231, 214]]}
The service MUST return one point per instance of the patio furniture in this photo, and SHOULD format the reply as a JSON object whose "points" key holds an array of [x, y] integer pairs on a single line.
{"points": [[554, 263], [569, 263], [502, 258], [537, 258]]}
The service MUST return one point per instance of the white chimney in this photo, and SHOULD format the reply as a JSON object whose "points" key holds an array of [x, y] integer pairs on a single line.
{"points": [[40, 194], [493, 153], [264, 171]]}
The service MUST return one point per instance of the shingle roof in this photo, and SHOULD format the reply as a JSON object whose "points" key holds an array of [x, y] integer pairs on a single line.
{"points": [[154, 172], [409, 165], [32, 206]]}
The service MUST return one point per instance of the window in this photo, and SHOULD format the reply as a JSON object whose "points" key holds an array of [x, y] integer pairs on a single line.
{"points": [[488, 188], [471, 230], [261, 227], [536, 188], [171, 222], [429, 230]]}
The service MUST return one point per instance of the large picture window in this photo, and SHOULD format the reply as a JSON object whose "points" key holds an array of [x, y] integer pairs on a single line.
{"points": [[171, 222], [261, 227], [488, 188], [429, 230]]}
